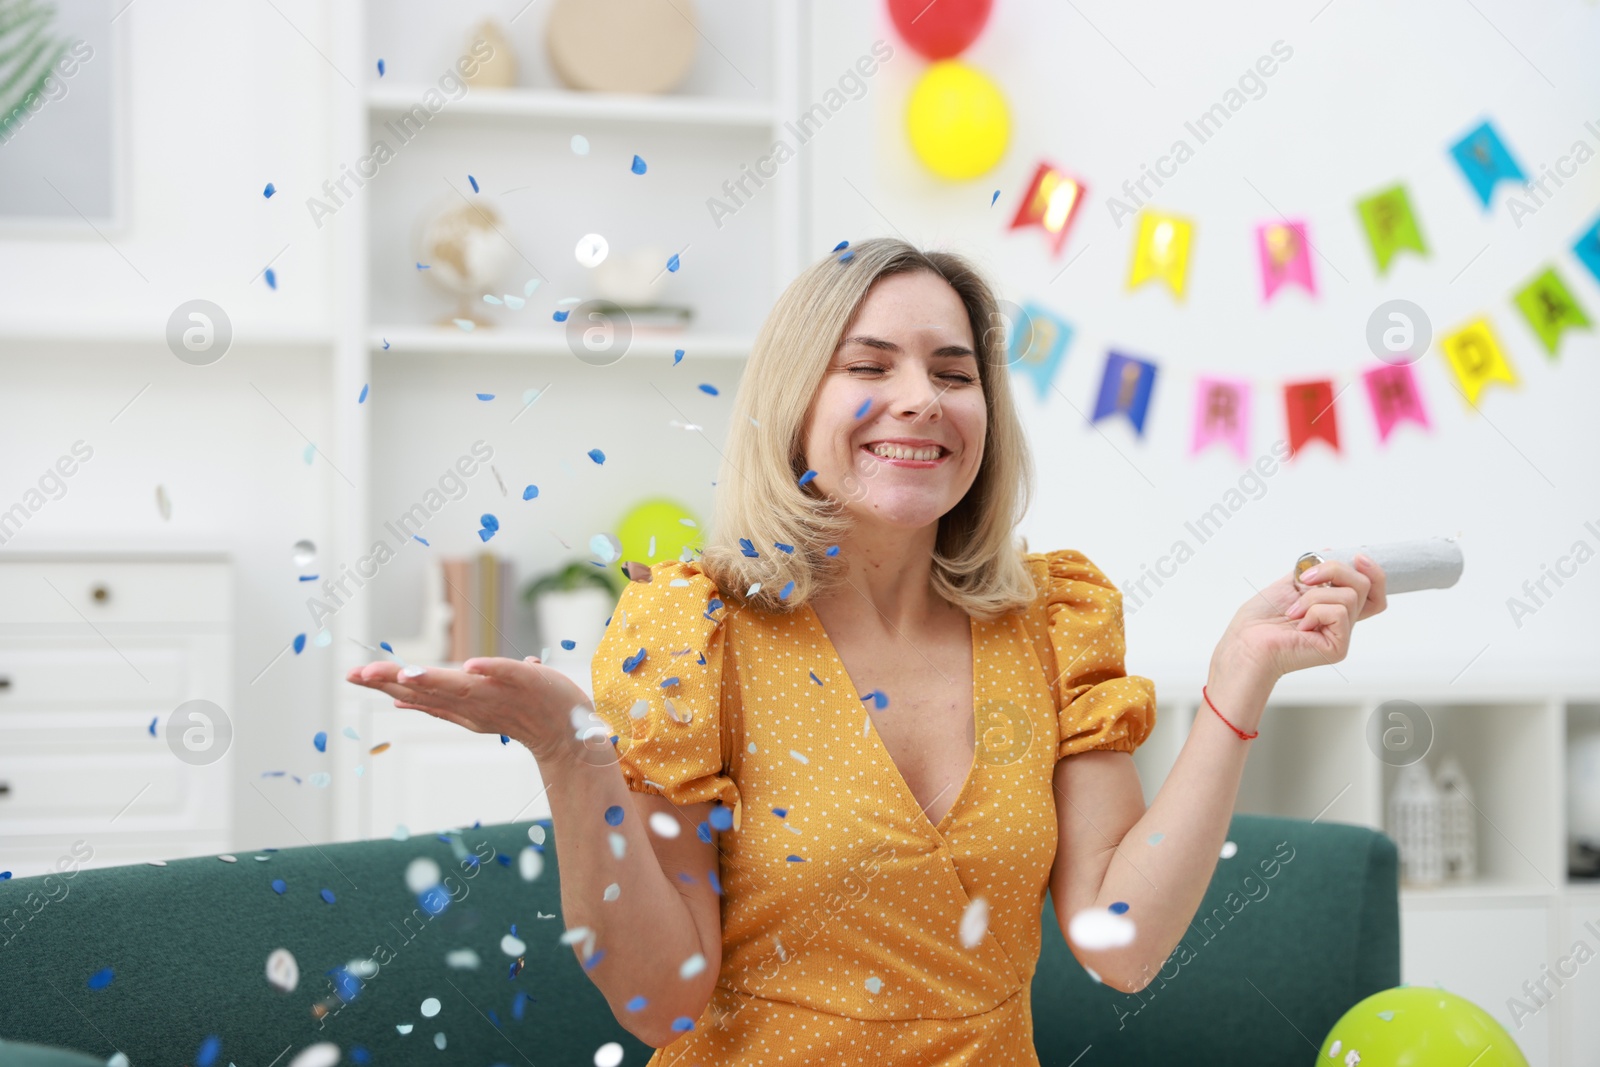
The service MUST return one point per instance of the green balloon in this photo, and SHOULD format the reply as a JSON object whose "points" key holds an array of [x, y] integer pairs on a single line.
{"points": [[658, 518], [1419, 1026]]}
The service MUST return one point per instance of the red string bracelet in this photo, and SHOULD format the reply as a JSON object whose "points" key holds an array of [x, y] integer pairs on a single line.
{"points": [[1235, 729]]}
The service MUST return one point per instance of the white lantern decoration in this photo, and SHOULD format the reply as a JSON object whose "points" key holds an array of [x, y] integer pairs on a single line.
{"points": [[1458, 829], [1415, 825]]}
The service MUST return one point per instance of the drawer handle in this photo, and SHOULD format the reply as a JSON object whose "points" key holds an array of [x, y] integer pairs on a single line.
{"points": [[5, 789], [100, 594], [5, 681]]}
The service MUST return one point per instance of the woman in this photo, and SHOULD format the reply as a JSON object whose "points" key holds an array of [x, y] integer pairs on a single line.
{"points": [[865, 731]]}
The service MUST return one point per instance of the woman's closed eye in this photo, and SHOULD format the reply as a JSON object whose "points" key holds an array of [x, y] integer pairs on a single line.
{"points": [[955, 377]]}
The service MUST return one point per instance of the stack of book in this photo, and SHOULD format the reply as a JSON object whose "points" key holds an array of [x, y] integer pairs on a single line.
{"points": [[482, 598]]}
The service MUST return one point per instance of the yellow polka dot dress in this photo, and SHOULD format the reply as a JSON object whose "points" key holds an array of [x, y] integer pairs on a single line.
{"points": [[842, 902]]}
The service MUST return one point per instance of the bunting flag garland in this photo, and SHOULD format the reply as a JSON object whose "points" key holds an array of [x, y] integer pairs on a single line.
{"points": [[1550, 308], [1587, 249], [1051, 203], [1125, 387], [1285, 257], [1309, 406], [1161, 250], [1222, 413], [1483, 158], [1038, 344], [1391, 226], [1476, 357], [1392, 391]]}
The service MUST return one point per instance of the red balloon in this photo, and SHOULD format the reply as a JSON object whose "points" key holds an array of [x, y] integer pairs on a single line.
{"points": [[939, 29]]}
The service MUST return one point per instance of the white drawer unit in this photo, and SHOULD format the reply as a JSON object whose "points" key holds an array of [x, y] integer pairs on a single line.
{"points": [[101, 657]]}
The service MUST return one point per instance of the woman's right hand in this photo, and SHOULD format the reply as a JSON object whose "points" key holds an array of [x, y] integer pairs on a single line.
{"points": [[521, 699]]}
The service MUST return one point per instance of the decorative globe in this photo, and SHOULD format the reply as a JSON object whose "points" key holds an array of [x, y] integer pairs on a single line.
{"points": [[465, 255], [1418, 1026], [658, 518]]}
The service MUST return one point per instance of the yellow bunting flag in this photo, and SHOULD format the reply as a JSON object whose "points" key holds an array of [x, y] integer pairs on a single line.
{"points": [[1161, 250], [1477, 359], [1391, 225]]}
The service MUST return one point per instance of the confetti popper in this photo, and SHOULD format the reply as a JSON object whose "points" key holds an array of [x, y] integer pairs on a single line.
{"points": [[1431, 563]]}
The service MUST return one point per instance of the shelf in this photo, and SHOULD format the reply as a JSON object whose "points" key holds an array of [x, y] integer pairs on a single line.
{"points": [[539, 104], [1478, 891], [439, 341]]}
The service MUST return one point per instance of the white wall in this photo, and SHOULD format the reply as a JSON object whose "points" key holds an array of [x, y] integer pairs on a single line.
{"points": [[1374, 93]]}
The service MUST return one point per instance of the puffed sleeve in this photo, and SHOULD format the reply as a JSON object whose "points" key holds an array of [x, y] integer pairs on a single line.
{"points": [[658, 685], [1101, 705]]}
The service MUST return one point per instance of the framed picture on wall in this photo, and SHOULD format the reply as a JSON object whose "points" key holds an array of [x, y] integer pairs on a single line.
{"points": [[63, 130]]}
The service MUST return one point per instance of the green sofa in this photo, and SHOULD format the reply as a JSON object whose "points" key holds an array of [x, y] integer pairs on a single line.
{"points": [[1296, 927]]}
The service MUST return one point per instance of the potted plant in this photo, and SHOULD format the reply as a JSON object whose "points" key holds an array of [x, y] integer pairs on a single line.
{"points": [[571, 604]]}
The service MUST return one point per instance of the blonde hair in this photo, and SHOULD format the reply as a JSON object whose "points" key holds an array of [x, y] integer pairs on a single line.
{"points": [[977, 560]]}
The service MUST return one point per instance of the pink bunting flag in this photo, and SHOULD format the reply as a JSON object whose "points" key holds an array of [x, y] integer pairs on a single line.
{"points": [[1285, 257], [1222, 413], [1392, 390]]}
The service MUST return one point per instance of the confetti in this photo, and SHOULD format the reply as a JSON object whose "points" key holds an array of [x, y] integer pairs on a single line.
{"points": [[591, 250], [692, 966], [814, 677], [597, 455], [673, 263], [787, 589], [995, 197], [797, 859], [474, 182], [269, 190], [1119, 907], [403, 1028], [530, 864], [322, 1054], [709, 390], [321, 740], [568, 644], [841, 246], [430, 1007], [272, 278], [513, 945], [466, 325], [1093, 929], [423, 266], [1229, 850], [862, 410], [422, 874], [847, 257], [782, 813], [530, 492], [682, 1024], [299, 643], [580, 144], [665, 825], [974, 922], [1155, 839], [282, 970], [279, 886], [380, 68], [748, 549], [485, 396], [833, 550], [613, 891], [799, 756], [703, 832], [614, 815], [362, 399], [716, 883], [101, 978], [807, 476], [536, 834], [608, 1055], [721, 818], [385, 344], [879, 698], [152, 726], [382, 746], [781, 547], [874, 984], [206, 1055], [638, 165], [633, 661]]}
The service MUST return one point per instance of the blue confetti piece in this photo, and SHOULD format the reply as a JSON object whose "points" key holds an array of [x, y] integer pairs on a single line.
{"points": [[788, 588], [503, 859], [519, 1005], [716, 883], [485, 396], [299, 643], [686, 877], [279, 886], [807, 476], [847, 257], [814, 677], [713, 606], [487, 532], [380, 68], [747, 548], [638, 165], [781, 547], [433, 900], [99, 979], [309, 577], [709, 390], [152, 726], [1119, 907], [515, 968], [494, 1017], [673, 264], [677, 356], [272, 278], [862, 410], [530, 492], [597, 455], [995, 197], [387, 647], [362, 399], [682, 1023], [504, 740], [488, 521], [358, 1054], [327, 896], [321, 740], [568, 643], [614, 815], [423, 266], [721, 818], [879, 698], [841, 246], [269, 190], [833, 550], [561, 316], [703, 832], [207, 1054], [637, 1003], [781, 813], [345, 984], [702, 659], [633, 661], [424, 540], [599, 954], [474, 182], [797, 859]]}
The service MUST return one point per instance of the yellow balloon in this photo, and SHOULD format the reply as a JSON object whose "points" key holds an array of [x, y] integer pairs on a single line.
{"points": [[958, 120], [657, 518]]}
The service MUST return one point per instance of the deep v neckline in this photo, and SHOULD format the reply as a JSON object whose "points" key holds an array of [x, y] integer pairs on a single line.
{"points": [[883, 749]]}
